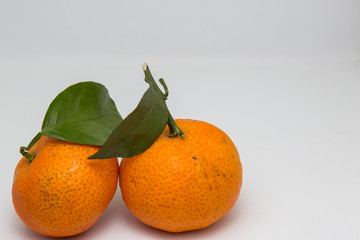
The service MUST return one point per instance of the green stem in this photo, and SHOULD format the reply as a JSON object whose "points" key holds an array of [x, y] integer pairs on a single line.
{"points": [[150, 80], [174, 129], [29, 156], [161, 80]]}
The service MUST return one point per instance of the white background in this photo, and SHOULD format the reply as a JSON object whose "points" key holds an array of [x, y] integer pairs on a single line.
{"points": [[281, 78]]}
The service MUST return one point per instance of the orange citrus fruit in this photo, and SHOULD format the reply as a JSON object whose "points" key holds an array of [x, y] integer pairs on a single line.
{"points": [[183, 184], [61, 192]]}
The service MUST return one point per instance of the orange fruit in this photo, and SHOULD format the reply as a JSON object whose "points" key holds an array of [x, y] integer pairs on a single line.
{"points": [[60, 192], [183, 184]]}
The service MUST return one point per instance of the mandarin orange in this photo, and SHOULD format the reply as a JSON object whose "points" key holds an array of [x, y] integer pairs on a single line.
{"points": [[60, 192], [183, 184]]}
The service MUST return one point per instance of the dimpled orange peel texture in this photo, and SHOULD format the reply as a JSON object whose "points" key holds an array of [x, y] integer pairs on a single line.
{"points": [[60, 192], [183, 184]]}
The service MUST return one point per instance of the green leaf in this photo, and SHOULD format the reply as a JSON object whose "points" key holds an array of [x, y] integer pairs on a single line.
{"points": [[82, 113], [140, 129]]}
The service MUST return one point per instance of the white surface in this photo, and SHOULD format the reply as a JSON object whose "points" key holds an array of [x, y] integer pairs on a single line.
{"points": [[257, 28], [281, 78]]}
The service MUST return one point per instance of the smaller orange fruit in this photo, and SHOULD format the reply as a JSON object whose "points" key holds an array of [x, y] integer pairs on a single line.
{"points": [[60, 192], [183, 184]]}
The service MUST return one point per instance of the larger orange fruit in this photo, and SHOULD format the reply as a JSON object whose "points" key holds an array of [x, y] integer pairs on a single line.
{"points": [[61, 192], [183, 184]]}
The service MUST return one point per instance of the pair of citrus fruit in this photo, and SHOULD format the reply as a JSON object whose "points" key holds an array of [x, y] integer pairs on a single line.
{"points": [[178, 184]]}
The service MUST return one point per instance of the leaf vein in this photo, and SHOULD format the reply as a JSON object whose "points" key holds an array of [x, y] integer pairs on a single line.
{"points": [[81, 120]]}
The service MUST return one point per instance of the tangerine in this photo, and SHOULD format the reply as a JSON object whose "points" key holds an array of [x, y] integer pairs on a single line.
{"points": [[183, 184], [60, 192]]}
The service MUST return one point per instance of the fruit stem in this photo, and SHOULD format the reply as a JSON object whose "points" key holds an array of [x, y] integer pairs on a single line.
{"points": [[161, 80], [151, 81], [29, 156], [174, 129]]}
